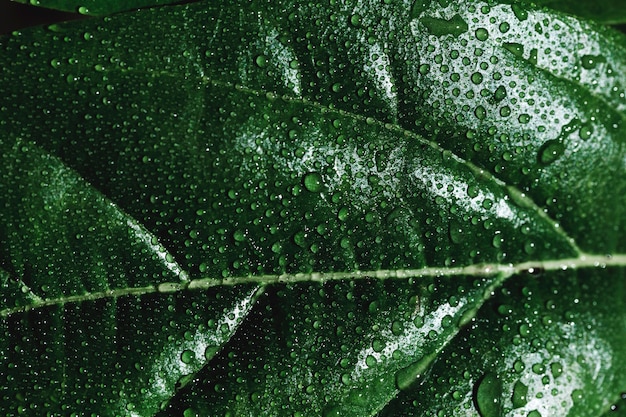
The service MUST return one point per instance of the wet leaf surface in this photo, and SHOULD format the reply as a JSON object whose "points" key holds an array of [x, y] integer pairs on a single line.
{"points": [[339, 209]]}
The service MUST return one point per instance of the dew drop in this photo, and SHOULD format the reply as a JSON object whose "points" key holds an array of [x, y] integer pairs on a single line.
{"points": [[557, 369], [239, 236], [187, 356], [515, 48], [477, 78], [577, 395], [520, 394], [210, 351], [355, 20], [261, 61], [586, 130], [439, 27], [591, 61], [83, 10], [550, 151], [499, 94], [480, 112], [519, 12], [406, 376], [313, 182], [488, 396], [482, 34]]}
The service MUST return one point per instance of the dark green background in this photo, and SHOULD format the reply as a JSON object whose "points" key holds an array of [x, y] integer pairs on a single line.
{"points": [[15, 15]]}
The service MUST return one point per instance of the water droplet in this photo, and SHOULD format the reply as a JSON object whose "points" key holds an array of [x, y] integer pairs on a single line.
{"points": [[406, 376], [277, 247], [557, 369], [332, 411], [519, 12], [515, 48], [210, 351], [440, 27], [520, 394], [499, 94], [488, 396], [239, 236], [477, 78], [586, 130], [355, 20], [313, 182], [550, 151], [83, 10], [524, 118], [591, 61], [190, 412], [187, 356], [261, 61], [482, 34], [480, 112], [504, 27], [577, 395]]}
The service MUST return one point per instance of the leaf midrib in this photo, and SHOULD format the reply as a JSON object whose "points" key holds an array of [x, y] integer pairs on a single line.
{"points": [[475, 270]]}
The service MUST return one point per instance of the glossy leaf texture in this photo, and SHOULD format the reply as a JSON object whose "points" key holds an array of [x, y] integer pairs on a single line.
{"points": [[96, 7], [344, 209], [606, 11]]}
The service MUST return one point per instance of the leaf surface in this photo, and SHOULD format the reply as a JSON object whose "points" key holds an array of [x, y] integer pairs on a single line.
{"points": [[223, 208], [606, 11], [96, 7]]}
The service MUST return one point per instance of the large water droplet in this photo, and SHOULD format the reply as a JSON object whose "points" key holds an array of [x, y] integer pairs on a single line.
{"points": [[551, 151], [591, 61], [313, 182], [488, 396], [520, 394], [406, 376], [515, 48], [440, 27]]}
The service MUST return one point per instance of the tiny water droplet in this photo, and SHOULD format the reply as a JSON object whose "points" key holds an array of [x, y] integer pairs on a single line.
{"points": [[83, 10]]}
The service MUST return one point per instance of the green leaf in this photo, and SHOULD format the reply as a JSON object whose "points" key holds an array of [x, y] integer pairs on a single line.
{"points": [[368, 209], [605, 11], [96, 7]]}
